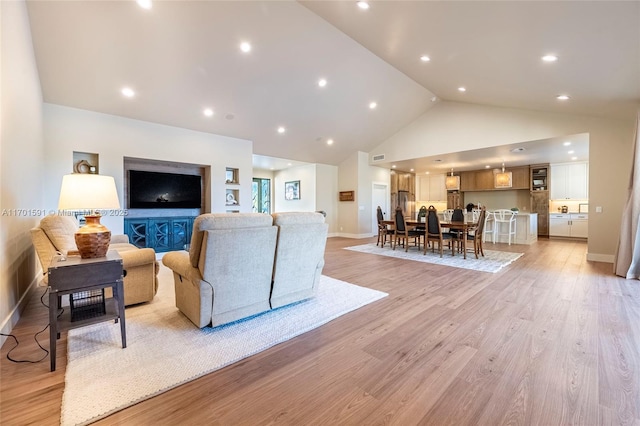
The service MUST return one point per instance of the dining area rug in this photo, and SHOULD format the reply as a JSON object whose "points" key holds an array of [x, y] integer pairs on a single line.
{"points": [[493, 260], [164, 349]]}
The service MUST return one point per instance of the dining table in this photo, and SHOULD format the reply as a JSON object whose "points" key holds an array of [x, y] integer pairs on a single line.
{"points": [[462, 226]]}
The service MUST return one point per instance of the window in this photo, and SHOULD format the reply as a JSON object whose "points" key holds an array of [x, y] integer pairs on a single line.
{"points": [[261, 195]]}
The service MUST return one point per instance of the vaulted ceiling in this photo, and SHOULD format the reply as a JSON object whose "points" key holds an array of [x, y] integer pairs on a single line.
{"points": [[182, 57]]}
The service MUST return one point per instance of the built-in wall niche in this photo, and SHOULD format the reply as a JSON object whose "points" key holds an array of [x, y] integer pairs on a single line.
{"points": [[232, 176], [86, 162], [165, 167]]}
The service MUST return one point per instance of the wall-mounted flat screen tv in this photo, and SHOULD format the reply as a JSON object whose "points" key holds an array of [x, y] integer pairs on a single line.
{"points": [[155, 190]]}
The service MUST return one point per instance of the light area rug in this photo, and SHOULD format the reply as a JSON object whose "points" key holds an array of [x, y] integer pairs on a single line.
{"points": [[493, 260], [165, 350]]}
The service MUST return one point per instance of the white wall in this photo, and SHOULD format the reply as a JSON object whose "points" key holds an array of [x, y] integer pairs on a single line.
{"points": [[21, 159], [327, 194], [113, 138], [452, 126], [355, 174], [307, 176]]}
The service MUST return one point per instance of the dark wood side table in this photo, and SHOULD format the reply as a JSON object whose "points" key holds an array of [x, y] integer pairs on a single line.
{"points": [[86, 280]]}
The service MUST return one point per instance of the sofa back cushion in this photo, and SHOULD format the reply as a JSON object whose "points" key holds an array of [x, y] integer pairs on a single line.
{"points": [[220, 221], [61, 231]]}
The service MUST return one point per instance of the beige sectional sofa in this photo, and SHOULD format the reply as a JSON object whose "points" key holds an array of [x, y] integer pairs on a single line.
{"points": [[243, 264], [55, 235]]}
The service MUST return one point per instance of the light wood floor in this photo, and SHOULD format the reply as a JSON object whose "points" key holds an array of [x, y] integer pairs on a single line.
{"points": [[552, 339]]}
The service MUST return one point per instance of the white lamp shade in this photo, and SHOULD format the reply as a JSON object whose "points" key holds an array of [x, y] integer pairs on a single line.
{"points": [[502, 180], [452, 183], [88, 191]]}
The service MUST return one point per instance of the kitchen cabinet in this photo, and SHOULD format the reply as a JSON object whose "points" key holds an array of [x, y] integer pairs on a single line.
{"points": [[520, 177], [540, 205], [570, 181], [454, 200], [574, 225], [484, 180], [431, 188]]}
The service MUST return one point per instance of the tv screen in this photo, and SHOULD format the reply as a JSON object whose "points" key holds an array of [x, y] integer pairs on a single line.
{"points": [[154, 190]]}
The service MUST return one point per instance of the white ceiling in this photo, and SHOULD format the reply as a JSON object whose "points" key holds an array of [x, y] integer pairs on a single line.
{"points": [[183, 56]]}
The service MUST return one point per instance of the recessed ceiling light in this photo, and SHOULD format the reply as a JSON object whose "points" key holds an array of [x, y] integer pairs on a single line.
{"points": [[425, 58], [145, 4], [208, 112], [393, 166], [562, 97], [426, 173], [330, 142], [245, 47], [434, 98], [410, 170], [373, 105], [571, 152], [128, 92], [487, 166], [271, 168], [437, 160], [549, 58], [574, 158], [363, 5], [322, 82], [462, 89], [288, 164], [567, 143], [519, 149], [281, 129]]}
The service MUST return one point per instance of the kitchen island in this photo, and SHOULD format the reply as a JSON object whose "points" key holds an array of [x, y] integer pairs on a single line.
{"points": [[526, 230]]}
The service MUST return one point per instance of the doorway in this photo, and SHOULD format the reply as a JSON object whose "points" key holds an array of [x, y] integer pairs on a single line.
{"points": [[261, 195], [379, 197]]}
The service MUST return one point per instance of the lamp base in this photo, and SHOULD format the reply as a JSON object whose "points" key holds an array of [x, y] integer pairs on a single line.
{"points": [[93, 238]]}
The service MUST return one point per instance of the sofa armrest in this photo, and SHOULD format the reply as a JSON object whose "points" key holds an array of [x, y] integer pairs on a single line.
{"points": [[120, 238], [133, 258], [178, 262]]}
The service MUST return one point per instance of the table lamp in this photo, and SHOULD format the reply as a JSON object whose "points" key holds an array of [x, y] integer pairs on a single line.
{"points": [[90, 192]]}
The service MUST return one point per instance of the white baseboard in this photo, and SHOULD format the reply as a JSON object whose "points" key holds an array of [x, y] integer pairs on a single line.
{"points": [[598, 257], [345, 235], [12, 319]]}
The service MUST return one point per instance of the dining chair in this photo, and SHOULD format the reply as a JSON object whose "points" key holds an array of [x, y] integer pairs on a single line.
{"points": [[504, 218], [402, 232], [434, 232], [384, 231], [457, 216], [477, 234]]}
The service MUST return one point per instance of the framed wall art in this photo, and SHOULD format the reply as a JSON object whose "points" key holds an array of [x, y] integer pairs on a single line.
{"points": [[292, 190]]}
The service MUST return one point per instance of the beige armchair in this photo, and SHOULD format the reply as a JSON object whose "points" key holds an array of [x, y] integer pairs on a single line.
{"points": [[55, 235], [226, 275]]}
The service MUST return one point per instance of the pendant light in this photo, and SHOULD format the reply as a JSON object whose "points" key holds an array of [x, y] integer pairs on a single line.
{"points": [[502, 179], [452, 183]]}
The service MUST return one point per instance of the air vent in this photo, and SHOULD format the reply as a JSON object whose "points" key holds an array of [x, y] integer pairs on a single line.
{"points": [[379, 157]]}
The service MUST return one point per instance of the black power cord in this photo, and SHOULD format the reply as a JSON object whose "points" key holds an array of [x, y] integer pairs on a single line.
{"points": [[35, 337]]}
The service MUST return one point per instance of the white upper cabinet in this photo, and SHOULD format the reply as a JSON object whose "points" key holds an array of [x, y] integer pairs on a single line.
{"points": [[570, 181], [431, 188]]}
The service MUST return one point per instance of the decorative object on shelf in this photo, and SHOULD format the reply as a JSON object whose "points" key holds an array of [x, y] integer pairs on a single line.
{"points": [[292, 190], [83, 166], [502, 179], [231, 175], [90, 192], [452, 183], [231, 199], [347, 195]]}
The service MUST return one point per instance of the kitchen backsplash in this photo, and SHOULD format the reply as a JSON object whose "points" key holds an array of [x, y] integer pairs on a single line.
{"points": [[555, 206]]}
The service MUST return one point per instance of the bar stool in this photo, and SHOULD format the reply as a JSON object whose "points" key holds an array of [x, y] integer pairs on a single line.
{"points": [[489, 226], [502, 219]]}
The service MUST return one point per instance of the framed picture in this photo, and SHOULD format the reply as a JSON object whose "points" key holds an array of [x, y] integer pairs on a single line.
{"points": [[292, 190]]}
